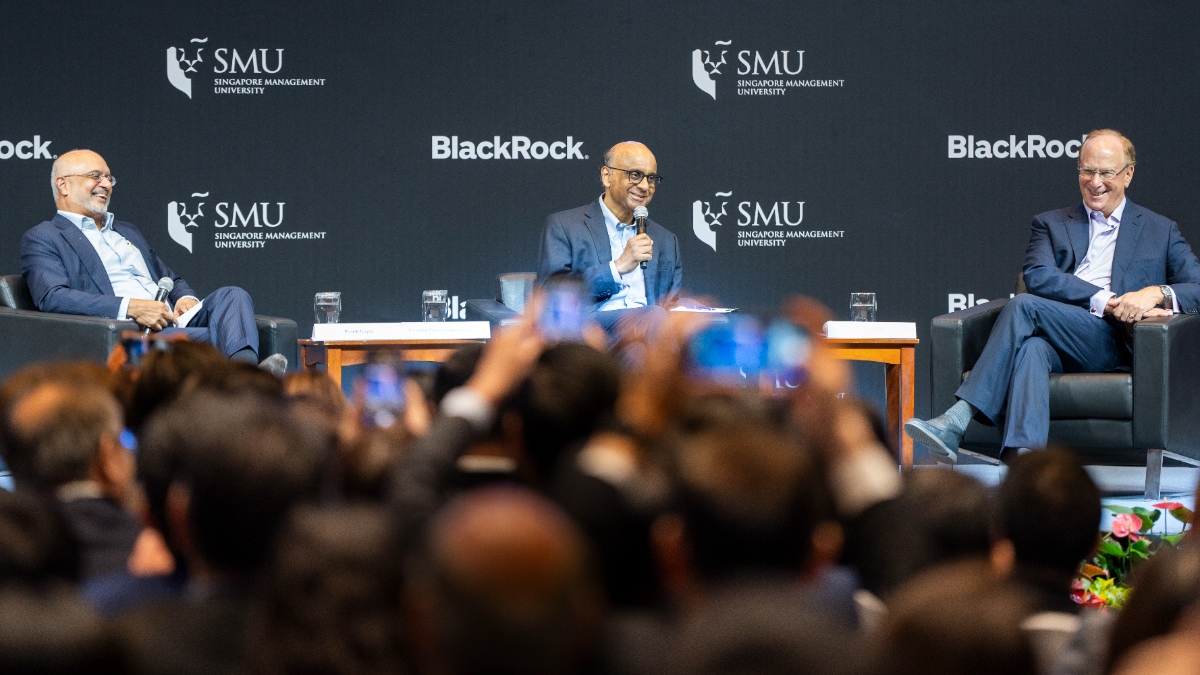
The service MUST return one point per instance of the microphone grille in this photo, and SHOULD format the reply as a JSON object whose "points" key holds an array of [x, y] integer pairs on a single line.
{"points": [[641, 212], [166, 284]]}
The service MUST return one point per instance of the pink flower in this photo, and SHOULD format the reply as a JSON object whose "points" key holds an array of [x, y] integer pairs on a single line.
{"points": [[1126, 524], [1168, 505]]}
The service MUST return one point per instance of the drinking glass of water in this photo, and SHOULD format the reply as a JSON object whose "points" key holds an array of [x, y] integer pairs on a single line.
{"points": [[862, 306], [327, 307], [435, 305]]}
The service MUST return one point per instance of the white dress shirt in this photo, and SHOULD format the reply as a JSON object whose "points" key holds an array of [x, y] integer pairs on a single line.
{"points": [[1096, 266], [127, 270], [633, 284]]}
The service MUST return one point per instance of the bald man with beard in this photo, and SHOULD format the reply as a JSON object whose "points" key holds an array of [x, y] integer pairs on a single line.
{"points": [[85, 261], [598, 244]]}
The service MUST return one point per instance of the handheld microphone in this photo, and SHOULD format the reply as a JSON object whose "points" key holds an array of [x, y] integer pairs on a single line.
{"points": [[639, 216], [165, 286]]}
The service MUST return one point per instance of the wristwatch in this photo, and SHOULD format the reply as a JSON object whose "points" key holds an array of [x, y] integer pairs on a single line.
{"points": [[1168, 297]]}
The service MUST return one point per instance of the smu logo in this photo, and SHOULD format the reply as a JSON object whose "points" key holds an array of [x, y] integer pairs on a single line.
{"points": [[703, 68], [179, 65], [178, 220], [704, 220]]}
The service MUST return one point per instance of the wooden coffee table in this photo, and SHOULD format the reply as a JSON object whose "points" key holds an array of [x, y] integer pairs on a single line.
{"points": [[900, 359], [334, 354]]}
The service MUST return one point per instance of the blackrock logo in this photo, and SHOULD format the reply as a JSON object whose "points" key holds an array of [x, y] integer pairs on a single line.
{"points": [[35, 149], [761, 224], [241, 69], [237, 224], [957, 301], [765, 73], [1027, 147], [515, 147]]}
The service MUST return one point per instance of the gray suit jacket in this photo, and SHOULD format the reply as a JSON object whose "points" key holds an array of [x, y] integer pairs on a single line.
{"points": [[575, 243]]}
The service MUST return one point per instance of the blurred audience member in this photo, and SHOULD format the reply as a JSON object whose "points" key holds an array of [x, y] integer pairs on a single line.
{"points": [[37, 549], [1166, 587], [502, 587], [1047, 523], [53, 633], [956, 620], [71, 432], [237, 480], [331, 600]]}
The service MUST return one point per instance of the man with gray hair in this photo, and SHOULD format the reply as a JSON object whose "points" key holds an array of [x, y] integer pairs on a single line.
{"points": [[1092, 270], [85, 261]]}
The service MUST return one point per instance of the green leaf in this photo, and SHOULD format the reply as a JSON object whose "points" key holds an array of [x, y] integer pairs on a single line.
{"points": [[1119, 509], [1143, 513], [1155, 515], [1183, 514], [1111, 549], [1142, 547], [1173, 539]]}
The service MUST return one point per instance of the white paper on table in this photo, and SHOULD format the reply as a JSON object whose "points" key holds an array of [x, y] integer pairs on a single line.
{"points": [[700, 309], [187, 316]]}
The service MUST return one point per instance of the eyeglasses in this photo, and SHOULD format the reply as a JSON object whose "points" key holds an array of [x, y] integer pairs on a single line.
{"points": [[636, 177], [94, 175], [1105, 174]]}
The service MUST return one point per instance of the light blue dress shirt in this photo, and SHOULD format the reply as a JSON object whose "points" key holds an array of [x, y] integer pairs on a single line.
{"points": [[633, 284], [1096, 266], [127, 270]]}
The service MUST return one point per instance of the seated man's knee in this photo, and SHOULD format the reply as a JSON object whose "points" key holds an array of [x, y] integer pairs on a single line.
{"points": [[230, 294]]}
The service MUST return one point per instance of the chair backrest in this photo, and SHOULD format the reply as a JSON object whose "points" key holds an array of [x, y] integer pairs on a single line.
{"points": [[513, 288], [14, 294]]}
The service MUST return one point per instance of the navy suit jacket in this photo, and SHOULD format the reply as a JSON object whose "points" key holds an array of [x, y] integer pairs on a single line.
{"points": [[65, 275], [576, 243], [1150, 251]]}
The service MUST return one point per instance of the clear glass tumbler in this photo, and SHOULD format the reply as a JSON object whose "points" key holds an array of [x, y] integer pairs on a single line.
{"points": [[862, 306], [327, 307], [435, 305]]}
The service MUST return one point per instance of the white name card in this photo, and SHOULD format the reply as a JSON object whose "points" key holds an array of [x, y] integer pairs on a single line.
{"points": [[404, 330], [858, 330]]}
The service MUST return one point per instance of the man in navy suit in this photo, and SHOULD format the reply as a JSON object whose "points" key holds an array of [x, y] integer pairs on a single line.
{"points": [[84, 261], [1092, 271], [599, 244]]}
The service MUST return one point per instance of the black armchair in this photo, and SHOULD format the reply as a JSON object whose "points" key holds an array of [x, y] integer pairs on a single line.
{"points": [[1110, 418], [512, 290], [32, 335]]}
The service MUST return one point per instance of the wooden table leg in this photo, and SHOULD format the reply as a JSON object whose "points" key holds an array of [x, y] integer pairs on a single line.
{"points": [[895, 409], [333, 364], [908, 383]]}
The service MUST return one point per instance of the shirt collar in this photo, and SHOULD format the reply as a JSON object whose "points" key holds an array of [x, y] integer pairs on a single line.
{"points": [[609, 218], [1116, 214], [78, 219]]}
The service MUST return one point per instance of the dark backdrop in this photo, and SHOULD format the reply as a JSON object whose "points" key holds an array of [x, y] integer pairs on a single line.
{"points": [[346, 145]]}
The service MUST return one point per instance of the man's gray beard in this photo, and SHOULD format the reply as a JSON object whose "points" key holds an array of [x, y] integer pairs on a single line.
{"points": [[91, 207]]}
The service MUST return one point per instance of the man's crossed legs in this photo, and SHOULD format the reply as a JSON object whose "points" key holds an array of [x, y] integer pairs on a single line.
{"points": [[1032, 338]]}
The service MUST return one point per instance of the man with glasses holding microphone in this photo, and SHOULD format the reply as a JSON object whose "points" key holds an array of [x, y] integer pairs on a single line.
{"points": [[84, 261], [1092, 270], [628, 277]]}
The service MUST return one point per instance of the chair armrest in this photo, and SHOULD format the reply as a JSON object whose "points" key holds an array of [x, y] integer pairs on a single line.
{"points": [[957, 339], [491, 311], [1166, 379], [277, 335], [31, 336]]}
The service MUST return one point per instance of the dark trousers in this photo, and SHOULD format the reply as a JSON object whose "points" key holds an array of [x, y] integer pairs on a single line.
{"points": [[226, 321], [1034, 337]]}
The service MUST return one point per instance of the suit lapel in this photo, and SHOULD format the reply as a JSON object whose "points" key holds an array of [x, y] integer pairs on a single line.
{"points": [[1079, 233], [86, 252], [1127, 240], [594, 218]]}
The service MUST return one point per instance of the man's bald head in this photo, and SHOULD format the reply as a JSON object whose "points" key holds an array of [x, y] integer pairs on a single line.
{"points": [[620, 195], [507, 580], [74, 191]]}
